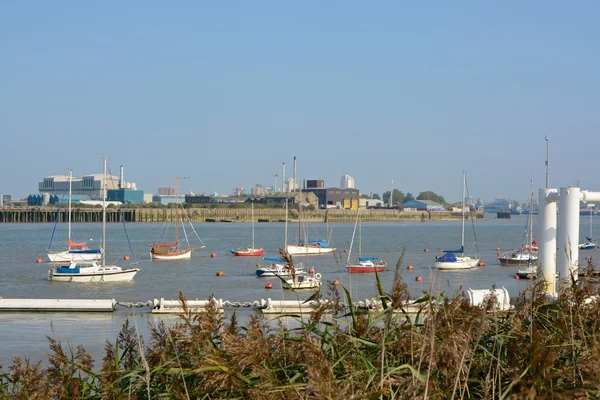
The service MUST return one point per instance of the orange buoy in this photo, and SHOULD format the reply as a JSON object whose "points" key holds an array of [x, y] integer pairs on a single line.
{"points": [[481, 264], [126, 258], [311, 271], [497, 248], [39, 261], [517, 277], [345, 251], [213, 255], [336, 282], [418, 278], [268, 286], [425, 250], [410, 268], [389, 251], [588, 258], [220, 273]]}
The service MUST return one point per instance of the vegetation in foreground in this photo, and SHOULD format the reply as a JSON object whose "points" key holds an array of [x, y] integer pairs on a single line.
{"points": [[540, 349]]}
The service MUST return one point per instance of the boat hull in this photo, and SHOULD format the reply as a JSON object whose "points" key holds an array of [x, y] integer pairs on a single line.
{"points": [[117, 276], [515, 262], [74, 255], [179, 255], [587, 246], [460, 263], [305, 282], [295, 250], [249, 252], [360, 269]]}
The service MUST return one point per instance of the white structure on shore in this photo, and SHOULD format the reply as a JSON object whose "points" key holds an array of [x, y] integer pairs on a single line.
{"points": [[565, 261]]}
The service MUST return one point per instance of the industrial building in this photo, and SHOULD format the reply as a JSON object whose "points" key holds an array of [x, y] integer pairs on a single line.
{"points": [[91, 187], [422, 205], [336, 197]]}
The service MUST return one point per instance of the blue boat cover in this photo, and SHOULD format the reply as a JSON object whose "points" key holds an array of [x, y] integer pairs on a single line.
{"points": [[589, 239], [447, 257], [88, 251], [67, 270], [368, 258], [274, 259], [461, 250]]}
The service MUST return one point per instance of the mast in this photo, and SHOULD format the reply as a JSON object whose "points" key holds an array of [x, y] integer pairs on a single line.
{"points": [[462, 239], [252, 225], [286, 222], [547, 164], [104, 214], [70, 180], [353, 234], [530, 235], [177, 214]]}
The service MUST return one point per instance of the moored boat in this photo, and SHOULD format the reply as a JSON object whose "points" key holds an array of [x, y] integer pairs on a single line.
{"points": [[367, 264], [311, 281]]}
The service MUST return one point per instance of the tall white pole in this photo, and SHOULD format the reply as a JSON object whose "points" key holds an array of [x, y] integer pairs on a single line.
{"points": [[283, 186], [104, 214], [70, 193], [568, 236], [547, 233], [462, 237]]}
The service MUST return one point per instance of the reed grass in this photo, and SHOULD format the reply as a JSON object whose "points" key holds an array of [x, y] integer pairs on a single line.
{"points": [[449, 350]]}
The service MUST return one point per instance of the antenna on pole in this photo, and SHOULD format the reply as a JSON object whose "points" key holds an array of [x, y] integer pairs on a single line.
{"points": [[547, 162]]}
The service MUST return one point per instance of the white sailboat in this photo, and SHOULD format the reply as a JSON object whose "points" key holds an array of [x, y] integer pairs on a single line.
{"points": [[92, 271], [312, 247], [450, 260], [589, 244], [75, 251]]}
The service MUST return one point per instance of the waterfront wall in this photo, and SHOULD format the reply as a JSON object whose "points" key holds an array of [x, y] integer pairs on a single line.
{"points": [[50, 214]]}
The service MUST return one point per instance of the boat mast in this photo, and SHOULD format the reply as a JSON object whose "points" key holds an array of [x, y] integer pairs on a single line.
{"points": [[353, 234], [104, 214], [462, 240], [70, 180], [530, 235], [177, 213], [547, 164], [252, 225], [286, 222]]}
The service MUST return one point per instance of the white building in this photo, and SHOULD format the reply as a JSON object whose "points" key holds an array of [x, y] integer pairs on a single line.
{"points": [[88, 185], [347, 182]]}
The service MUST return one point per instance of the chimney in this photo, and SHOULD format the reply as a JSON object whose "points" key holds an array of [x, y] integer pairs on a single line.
{"points": [[283, 185], [294, 173], [121, 179]]}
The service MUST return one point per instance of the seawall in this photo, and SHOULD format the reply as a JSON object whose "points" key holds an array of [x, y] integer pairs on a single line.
{"points": [[50, 214]]}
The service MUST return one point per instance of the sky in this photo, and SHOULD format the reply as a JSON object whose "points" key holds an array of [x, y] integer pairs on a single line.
{"points": [[225, 92]]}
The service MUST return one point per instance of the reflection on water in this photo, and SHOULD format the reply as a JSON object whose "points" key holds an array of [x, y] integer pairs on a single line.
{"points": [[22, 277]]}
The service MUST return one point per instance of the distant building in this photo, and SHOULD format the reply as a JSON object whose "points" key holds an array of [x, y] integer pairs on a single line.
{"points": [[200, 199], [370, 203], [347, 182], [293, 198], [168, 199], [5, 200], [259, 190], [88, 185], [167, 190], [125, 196], [423, 205], [315, 183], [336, 197]]}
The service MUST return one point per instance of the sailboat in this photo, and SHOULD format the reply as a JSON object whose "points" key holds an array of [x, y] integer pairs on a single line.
{"points": [[365, 264], [92, 271], [249, 251], [313, 247], [75, 251], [527, 255], [449, 260], [590, 244], [172, 250]]}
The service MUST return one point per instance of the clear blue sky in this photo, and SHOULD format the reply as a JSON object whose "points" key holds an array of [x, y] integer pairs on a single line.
{"points": [[225, 92]]}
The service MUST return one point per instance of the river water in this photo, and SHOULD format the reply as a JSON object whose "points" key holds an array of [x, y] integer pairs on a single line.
{"points": [[24, 334]]}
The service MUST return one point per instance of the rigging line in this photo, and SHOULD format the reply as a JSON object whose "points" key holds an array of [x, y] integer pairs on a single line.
{"points": [[194, 230], [56, 218], [126, 233], [472, 219]]}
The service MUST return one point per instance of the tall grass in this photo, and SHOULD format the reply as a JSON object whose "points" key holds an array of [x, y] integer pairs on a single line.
{"points": [[448, 350]]}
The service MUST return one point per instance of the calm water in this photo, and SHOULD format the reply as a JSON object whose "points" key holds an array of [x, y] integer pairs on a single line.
{"points": [[24, 334]]}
